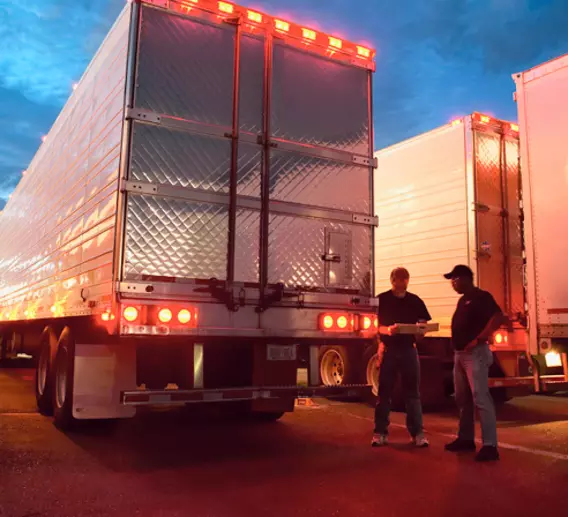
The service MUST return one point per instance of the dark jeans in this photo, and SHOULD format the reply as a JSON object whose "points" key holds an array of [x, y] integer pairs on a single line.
{"points": [[392, 361], [471, 382]]}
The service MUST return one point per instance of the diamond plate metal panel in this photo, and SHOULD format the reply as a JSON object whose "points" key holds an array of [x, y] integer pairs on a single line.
{"points": [[251, 91], [185, 68], [161, 155], [174, 238], [516, 245], [296, 246], [488, 169], [490, 226], [320, 102], [247, 259], [319, 182], [249, 170]]}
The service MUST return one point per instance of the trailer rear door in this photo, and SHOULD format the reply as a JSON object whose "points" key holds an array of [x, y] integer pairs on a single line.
{"points": [[250, 159]]}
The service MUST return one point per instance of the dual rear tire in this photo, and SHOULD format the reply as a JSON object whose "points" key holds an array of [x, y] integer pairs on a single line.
{"points": [[54, 379]]}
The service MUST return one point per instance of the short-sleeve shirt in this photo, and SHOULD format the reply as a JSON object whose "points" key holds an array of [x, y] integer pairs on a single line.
{"points": [[473, 313], [408, 309]]}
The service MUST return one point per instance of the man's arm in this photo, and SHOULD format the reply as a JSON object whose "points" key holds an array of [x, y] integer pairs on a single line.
{"points": [[495, 321]]}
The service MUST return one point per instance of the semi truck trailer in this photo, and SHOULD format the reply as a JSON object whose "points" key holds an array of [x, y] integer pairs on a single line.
{"points": [[461, 194], [197, 225]]}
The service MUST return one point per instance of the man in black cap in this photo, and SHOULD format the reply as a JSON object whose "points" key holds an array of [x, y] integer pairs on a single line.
{"points": [[398, 354], [476, 318]]}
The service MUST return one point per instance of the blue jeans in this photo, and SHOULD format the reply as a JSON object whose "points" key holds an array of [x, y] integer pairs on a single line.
{"points": [[392, 361], [471, 383]]}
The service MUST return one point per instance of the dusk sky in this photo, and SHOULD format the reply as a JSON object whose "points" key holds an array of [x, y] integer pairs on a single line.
{"points": [[437, 59]]}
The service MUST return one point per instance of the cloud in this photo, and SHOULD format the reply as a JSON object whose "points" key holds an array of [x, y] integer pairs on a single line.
{"points": [[46, 45]]}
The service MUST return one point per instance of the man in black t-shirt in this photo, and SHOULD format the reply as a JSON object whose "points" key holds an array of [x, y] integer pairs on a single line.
{"points": [[476, 318], [397, 354]]}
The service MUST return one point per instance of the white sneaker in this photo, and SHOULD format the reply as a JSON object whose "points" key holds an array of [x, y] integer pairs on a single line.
{"points": [[379, 440], [420, 441]]}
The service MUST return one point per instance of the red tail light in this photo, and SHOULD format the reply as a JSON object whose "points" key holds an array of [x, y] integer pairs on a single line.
{"points": [[500, 338], [165, 315], [130, 314], [336, 322], [184, 316]]}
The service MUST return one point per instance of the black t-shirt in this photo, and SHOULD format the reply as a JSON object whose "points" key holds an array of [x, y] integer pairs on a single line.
{"points": [[408, 309], [473, 313]]}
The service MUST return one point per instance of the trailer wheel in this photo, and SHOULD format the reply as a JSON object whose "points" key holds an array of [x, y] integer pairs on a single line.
{"points": [[44, 380], [371, 364], [338, 366], [63, 382]]}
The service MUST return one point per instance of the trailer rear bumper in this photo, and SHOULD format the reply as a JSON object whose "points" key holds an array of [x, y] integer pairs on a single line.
{"points": [[169, 397]]}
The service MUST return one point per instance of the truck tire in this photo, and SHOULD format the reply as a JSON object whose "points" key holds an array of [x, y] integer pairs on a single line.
{"points": [[371, 366], [63, 382], [43, 381], [338, 366]]}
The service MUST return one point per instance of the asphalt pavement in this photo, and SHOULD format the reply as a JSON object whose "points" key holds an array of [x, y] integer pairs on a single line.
{"points": [[314, 462]]}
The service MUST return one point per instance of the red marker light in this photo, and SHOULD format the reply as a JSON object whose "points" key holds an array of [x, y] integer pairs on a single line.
{"points": [[184, 316], [309, 34], [226, 8], [328, 322], [363, 52], [485, 119], [130, 314], [165, 315], [366, 323], [514, 127], [342, 322], [254, 17], [281, 26], [335, 42]]}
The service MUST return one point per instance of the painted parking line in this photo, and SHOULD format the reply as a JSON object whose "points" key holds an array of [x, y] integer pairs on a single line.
{"points": [[502, 445]]}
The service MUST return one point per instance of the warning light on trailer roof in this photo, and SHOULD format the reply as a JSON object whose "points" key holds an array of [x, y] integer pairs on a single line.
{"points": [[309, 34], [226, 7], [254, 16], [514, 127], [335, 42], [363, 51], [282, 25]]}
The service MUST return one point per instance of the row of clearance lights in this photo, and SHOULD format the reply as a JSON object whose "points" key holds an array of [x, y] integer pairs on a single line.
{"points": [[165, 315], [280, 25], [345, 322], [486, 120]]}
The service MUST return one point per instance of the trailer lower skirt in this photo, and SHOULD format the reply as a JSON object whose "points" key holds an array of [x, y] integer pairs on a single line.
{"points": [[168, 397]]}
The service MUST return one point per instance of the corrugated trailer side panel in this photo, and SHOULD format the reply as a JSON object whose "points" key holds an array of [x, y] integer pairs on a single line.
{"points": [[421, 200], [57, 231], [543, 118]]}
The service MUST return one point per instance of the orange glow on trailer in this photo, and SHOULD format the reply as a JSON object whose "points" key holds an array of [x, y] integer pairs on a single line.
{"points": [[254, 16], [282, 26], [485, 119], [226, 7], [165, 315], [130, 314]]}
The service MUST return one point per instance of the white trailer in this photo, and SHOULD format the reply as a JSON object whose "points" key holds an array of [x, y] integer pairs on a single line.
{"points": [[543, 120], [453, 196], [197, 225]]}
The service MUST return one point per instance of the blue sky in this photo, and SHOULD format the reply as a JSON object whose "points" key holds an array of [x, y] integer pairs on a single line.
{"points": [[437, 59]]}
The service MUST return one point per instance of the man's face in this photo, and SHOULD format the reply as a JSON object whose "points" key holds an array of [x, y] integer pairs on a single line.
{"points": [[399, 283], [460, 283]]}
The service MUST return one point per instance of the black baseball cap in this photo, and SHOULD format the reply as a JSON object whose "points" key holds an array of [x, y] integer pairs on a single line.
{"points": [[459, 271]]}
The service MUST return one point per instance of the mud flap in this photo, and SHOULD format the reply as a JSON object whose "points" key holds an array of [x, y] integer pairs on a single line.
{"points": [[102, 372]]}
